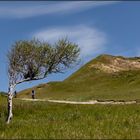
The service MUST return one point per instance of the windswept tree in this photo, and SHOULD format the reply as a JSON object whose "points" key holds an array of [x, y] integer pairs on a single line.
{"points": [[34, 60]]}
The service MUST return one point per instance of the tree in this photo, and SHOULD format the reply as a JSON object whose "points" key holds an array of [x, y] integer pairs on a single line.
{"points": [[34, 60]]}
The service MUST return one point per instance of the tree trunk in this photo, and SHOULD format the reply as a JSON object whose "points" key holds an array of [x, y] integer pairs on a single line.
{"points": [[9, 100]]}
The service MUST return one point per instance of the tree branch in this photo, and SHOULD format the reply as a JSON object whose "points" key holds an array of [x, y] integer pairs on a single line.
{"points": [[29, 79]]}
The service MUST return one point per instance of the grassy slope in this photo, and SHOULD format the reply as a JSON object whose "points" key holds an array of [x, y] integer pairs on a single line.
{"points": [[89, 84], [3, 93], [61, 121]]}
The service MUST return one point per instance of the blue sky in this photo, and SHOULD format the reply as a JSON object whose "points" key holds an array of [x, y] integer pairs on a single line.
{"points": [[97, 27]]}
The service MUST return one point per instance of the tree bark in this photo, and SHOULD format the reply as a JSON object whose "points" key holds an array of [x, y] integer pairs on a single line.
{"points": [[9, 100]]}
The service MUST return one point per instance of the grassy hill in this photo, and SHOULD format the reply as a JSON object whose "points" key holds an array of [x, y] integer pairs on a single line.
{"points": [[106, 78], [3, 94], [39, 120]]}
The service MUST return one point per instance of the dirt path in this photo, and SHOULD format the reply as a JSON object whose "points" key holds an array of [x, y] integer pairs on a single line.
{"points": [[74, 102]]}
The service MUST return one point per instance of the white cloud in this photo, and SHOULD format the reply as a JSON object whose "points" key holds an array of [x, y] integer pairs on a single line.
{"points": [[90, 40], [26, 10]]}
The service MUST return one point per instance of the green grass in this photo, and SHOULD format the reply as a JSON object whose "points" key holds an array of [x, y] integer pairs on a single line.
{"points": [[62, 121], [38, 120]]}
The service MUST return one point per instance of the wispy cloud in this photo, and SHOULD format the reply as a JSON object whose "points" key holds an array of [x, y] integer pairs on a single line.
{"points": [[90, 40], [30, 10]]}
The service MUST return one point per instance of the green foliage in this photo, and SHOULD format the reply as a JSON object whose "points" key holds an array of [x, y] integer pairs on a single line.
{"points": [[33, 60], [43, 120], [3, 93]]}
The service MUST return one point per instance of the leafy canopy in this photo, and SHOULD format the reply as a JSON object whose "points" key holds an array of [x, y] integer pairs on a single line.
{"points": [[34, 60]]}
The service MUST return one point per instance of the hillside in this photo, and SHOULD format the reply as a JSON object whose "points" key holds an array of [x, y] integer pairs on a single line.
{"points": [[105, 77], [3, 93]]}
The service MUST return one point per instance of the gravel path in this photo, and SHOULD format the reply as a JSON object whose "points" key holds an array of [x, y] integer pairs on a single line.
{"points": [[74, 102]]}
